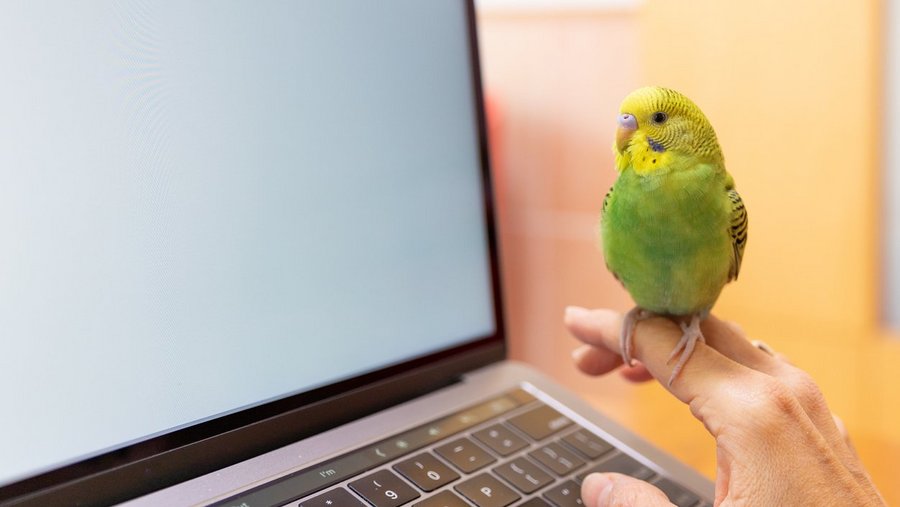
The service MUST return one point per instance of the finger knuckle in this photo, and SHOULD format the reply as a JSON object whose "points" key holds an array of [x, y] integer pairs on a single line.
{"points": [[804, 389], [768, 402]]}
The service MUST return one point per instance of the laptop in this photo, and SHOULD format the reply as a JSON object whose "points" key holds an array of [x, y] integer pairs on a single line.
{"points": [[248, 257]]}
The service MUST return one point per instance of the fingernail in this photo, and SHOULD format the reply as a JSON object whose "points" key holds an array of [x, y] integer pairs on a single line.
{"points": [[596, 490]]}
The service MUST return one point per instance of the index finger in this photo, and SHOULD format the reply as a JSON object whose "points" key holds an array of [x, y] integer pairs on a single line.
{"points": [[719, 390], [654, 339]]}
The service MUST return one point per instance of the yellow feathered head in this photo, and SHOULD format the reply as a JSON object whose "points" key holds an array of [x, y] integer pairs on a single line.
{"points": [[656, 123]]}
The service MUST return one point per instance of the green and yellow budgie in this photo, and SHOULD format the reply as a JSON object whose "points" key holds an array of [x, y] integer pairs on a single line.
{"points": [[673, 226]]}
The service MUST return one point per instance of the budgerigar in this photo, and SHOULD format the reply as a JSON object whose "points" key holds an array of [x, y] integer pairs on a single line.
{"points": [[673, 226]]}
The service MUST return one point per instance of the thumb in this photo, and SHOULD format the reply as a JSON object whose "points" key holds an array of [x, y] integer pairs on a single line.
{"points": [[617, 490]]}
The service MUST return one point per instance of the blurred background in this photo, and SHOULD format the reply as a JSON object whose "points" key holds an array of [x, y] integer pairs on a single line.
{"points": [[798, 93]]}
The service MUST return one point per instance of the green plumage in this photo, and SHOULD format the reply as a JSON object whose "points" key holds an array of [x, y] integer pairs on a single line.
{"points": [[673, 227], [666, 237]]}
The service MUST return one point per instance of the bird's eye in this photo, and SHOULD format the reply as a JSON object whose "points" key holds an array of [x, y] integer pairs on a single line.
{"points": [[659, 117]]}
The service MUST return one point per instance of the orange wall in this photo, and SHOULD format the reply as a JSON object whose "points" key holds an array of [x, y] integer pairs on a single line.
{"points": [[792, 89]]}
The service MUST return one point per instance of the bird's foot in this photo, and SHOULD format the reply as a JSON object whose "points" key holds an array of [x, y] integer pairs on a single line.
{"points": [[626, 340], [691, 334]]}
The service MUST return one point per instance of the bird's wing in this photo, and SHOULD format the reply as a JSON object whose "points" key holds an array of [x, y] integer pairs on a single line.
{"points": [[606, 201], [602, 213], [738, 229]]}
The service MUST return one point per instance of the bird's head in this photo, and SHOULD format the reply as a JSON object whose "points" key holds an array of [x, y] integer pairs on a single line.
{"points": [[656, 123]]}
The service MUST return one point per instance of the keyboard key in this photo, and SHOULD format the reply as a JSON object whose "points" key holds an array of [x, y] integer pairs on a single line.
{"points": [[426, 472], [524, 475], [443, 499], [465, 455], [587, 444], [541, 422], [325, 475], [557, 458], [501, 439], [535, 502], [484, 490], [339, 497], [677, 495], [622, 464], [384, 489], [567, 494]]}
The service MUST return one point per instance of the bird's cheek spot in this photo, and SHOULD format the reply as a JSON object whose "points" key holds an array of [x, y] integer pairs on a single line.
{"points": [[655, 146]]}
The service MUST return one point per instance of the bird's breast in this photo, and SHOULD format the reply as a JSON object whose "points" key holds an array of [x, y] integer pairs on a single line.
{"points": [[666, 238]]}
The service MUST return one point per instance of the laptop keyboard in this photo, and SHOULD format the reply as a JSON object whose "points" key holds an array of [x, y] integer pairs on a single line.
{"points": [[510, 450]]}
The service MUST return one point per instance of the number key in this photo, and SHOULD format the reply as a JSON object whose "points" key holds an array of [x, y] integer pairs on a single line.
{"points": [[384, 489], [426, 472]]}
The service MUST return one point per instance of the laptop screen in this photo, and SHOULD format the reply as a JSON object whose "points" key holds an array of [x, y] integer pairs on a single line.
{"points": [[205, 206]]}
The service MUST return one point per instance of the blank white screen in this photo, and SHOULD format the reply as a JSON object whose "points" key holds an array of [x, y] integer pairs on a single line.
{"points": [[204, 205]]}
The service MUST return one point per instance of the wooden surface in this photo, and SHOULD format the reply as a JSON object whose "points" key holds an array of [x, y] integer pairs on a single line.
{"points": [[796, 109]]}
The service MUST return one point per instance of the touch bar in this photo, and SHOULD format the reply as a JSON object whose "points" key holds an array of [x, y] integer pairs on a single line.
{"points": [[308, 481]]}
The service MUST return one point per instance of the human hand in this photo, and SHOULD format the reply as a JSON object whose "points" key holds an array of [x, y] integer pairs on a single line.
{"points": [[777, 443]]}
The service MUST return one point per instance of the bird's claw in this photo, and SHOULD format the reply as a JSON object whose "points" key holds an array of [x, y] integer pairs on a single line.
{"points": [[691, 334], [626, 340]]}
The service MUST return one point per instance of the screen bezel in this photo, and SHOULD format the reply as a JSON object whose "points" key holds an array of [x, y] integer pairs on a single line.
{"points": [[174, 457]]}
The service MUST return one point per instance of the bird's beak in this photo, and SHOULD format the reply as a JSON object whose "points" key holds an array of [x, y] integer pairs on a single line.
{"points": [[627, 126]]}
